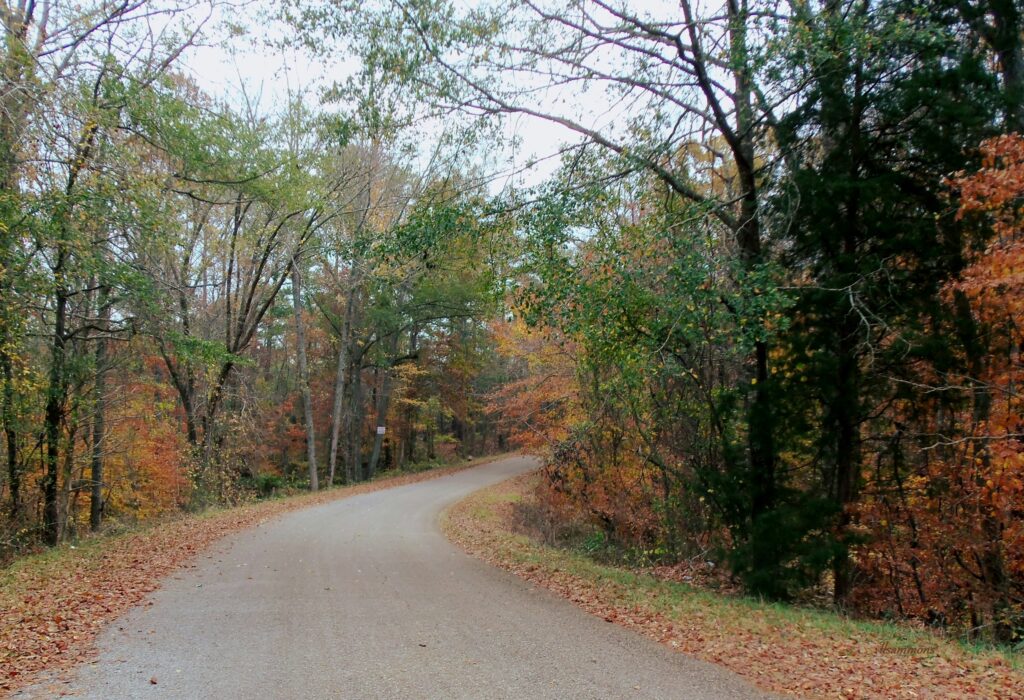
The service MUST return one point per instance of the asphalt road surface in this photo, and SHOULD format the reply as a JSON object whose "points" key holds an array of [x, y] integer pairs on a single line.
{"points": [[365, 598]]}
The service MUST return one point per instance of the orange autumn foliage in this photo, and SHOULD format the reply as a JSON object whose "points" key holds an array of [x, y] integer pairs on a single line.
{"points": [[145, 450], [595, 474], [947, 538], [539, 404]]}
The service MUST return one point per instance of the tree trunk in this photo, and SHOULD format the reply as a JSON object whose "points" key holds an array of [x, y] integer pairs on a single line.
{"points": [[99, 414], [431, 450], [407, 453], [187, 384], [210, 438], [344, 354], [307, 400], [339, 397], [846, 424], [55, 396], [761, 433], [1004, 36], [66, 517], [383, 399], [186, 388], [842, 140], [354, 423], [10, 433], [998, 597], [13, 105]]}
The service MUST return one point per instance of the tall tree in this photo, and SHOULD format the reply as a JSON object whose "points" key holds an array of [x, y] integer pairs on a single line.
{"points": [[307, 401], [870, 234], [496, 61]]}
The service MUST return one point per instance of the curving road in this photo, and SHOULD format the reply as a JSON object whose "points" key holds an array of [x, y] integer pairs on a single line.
{"points": [[364, 598]]}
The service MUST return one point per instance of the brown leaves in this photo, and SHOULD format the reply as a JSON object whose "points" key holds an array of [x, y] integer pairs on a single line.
{"points": [[945, 541], [996, 188]]}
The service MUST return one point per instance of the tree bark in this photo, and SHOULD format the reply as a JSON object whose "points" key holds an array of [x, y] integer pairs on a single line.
{"points": [[69, 491], [344, 353], [339, 397], [12, 120], [52, 417], [98, 419], [307, 400], [761, 434], [354, 421], [56, 394], [842, 142], [11, 436], [383, 400]]}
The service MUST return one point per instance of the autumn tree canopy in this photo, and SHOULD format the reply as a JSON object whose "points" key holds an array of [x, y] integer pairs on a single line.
{"points": [[761, 307]]}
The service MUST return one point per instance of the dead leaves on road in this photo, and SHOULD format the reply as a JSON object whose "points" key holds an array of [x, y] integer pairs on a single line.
{"points": [[804, 653]]}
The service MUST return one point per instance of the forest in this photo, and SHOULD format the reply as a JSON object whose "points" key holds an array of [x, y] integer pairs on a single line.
{"points": [[761, 305]]}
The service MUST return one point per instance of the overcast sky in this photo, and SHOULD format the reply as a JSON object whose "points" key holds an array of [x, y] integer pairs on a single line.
{"points": [[267, 73]]}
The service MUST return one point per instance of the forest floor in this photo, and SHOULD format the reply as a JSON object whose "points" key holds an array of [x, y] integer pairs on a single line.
{"points": [[787, 649], [53, 604]]}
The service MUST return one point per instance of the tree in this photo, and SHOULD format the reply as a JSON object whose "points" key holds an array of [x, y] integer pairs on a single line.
{"points": [[67, 183], [945, 525], [497, 60], [147, 234], [870, 240]]}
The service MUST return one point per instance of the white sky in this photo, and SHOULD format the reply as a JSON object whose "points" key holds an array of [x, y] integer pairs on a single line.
{"points": [[249, 66], [267, 74]]}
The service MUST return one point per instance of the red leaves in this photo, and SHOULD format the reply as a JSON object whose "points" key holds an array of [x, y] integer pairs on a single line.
{"points": [[997, 187], [948, 543]]}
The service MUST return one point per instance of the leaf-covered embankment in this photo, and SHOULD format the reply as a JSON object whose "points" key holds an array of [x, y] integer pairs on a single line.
{"points": [[780, 648], [52, 605]]}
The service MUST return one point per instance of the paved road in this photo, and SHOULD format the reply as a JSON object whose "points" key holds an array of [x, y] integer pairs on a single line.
{"points": [[364, 598]]}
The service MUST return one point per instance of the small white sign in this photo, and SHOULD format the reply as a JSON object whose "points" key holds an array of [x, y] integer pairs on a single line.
{"points": [[381, 430]]}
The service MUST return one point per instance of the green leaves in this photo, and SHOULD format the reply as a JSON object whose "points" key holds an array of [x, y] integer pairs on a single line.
{"points": [[209, 355]]}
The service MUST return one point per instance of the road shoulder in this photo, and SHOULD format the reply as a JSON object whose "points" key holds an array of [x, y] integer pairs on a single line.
{"points": [[778, 648]]}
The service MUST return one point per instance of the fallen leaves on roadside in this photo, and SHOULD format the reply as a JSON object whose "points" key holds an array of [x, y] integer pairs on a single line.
{"points": [[52, 608], [782, 652]]}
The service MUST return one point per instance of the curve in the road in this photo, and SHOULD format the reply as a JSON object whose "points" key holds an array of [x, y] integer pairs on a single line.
{"points": [[364, 598]]}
